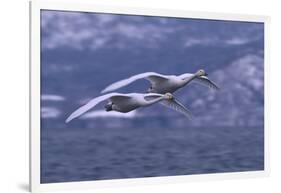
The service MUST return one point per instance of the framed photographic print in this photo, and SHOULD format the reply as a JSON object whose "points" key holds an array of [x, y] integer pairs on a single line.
{"points": [[123, 96]]}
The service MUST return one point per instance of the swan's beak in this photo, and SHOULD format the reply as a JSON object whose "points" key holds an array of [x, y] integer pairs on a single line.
{"points": [[206, 74]]}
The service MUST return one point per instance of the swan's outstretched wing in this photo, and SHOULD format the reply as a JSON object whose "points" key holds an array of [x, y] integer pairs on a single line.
{"points": [[92, 103], [177, 106], [152, 77], [205, 81]]}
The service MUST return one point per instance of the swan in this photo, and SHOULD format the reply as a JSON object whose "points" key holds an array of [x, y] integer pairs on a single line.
{"points": [[165, 83], [128, 102]]}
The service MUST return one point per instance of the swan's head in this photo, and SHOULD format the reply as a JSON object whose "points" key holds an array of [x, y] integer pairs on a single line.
{"points": [[150, 90], [168, 96], [201, 72]]}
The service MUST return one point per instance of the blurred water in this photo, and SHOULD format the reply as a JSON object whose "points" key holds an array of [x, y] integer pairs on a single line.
{"points": [[95, 154]]}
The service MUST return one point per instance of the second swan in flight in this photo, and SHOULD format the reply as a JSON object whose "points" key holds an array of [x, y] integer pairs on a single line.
{"points": [[165, 83], [128, 102]]}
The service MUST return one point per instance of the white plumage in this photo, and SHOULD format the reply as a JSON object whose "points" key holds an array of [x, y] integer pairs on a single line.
{"points": [[127, 102], [165, 83]]}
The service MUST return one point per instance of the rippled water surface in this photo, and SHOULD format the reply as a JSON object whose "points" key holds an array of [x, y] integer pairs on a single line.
{"points": [[96, 154]]}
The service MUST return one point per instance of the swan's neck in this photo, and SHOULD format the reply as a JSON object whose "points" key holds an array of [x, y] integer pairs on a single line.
{"points": [[150, 102], [188, 79]]}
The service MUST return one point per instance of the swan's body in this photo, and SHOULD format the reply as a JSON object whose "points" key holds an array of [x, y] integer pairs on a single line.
{"points": [[128, 102], [165, 83]]}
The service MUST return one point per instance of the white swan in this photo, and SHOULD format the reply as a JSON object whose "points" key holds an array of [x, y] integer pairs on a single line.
{"points": [[127, 102], [165, 83]]}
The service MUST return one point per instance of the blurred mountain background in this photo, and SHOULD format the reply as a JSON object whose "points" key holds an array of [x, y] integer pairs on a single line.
{"points": [[82, 53]]}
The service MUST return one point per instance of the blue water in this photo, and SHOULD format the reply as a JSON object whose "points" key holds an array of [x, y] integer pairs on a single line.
{"points": [[96, 153]]}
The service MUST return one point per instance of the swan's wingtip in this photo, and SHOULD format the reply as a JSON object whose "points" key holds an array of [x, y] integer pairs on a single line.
{"points": [[217, 88], [190, 117], [68, 120], [104, 91]]}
